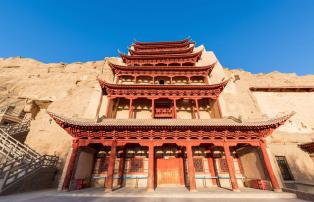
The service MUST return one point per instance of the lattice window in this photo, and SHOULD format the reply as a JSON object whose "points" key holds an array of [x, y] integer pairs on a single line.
{"points": [[101, 165], [223, 166], [136, 165], [284, 168], [198, 165]]}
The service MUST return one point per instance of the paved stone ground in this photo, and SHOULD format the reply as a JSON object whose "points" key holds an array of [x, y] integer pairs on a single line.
{"points": [[165, 195]]}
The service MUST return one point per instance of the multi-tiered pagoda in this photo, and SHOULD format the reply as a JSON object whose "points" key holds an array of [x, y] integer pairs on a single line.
{"points": [[163, 127]]}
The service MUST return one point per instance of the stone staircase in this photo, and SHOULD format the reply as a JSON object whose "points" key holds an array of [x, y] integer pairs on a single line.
{"points": [[21, 166]]}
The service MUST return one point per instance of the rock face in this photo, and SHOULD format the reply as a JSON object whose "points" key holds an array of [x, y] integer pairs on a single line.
{"points": [[73, 90], [63, 88]]}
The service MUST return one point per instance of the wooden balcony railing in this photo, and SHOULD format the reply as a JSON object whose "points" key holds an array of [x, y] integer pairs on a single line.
{"points": [[163, 113]]}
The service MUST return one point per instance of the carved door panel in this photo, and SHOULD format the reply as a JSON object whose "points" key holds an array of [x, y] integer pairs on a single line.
{"points": [[170, 171]]}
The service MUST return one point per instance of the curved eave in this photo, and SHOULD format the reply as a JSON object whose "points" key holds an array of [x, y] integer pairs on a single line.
{"points": [[170, 56], [115, 67], [162, 46], [104, 85], [169, 124], [162, 42], [308, 147], [162, 52]]}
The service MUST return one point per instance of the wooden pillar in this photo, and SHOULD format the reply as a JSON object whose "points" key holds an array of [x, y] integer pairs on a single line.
{"points": [[191, 168], [110, 171], [121, 167], [171, 80], [151, 171], [153, 79], [197, 109], [269, 168], [135, 79], [231, 169], [153, 108], [174, 108], [70, 168], [211, 168], [108, 106], [131, 109]]}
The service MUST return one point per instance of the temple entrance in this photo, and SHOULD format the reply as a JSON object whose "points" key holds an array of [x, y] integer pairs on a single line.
{"points": [[169, 166], [170, 172]]}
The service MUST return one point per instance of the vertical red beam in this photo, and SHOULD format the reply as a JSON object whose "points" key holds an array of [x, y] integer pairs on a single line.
{"points": [[153, 108], [191, 168], [175, 108], [70, 168], [151, 174], [231, 169], [110, 171], [269, 168], [121, 167], [211, 169], [197, 109], [131, 109]]}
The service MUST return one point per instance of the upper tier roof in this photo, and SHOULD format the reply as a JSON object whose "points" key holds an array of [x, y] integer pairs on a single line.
{"points": [[162, 42], [162, 46], [126, 57], [163, 91], [195, 70], [162, 51]]}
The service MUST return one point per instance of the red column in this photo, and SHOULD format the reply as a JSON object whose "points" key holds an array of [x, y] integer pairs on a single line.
{"points": [[153, 108], [269, 168], [151, 174], [174, 108], [70, 168], [230, 164], [197, 109], [211, 169], [191, 168], [121, 167], [131, 109], [110, 171]]}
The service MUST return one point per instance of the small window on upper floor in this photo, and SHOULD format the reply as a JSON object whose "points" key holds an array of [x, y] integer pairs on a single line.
{"points": [[161, 82]]}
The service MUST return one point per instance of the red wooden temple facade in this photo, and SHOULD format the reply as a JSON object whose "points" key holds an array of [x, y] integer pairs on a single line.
{"points": [[163, 125]]}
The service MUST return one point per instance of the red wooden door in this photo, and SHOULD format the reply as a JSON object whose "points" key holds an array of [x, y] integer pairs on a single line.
{"points": [[170, 171]]}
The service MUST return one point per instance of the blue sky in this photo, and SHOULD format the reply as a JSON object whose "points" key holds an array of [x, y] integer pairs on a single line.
{"points": [[258, 36]]}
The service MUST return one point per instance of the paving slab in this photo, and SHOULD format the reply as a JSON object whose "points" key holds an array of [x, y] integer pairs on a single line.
{"points": [[160, 195]]}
